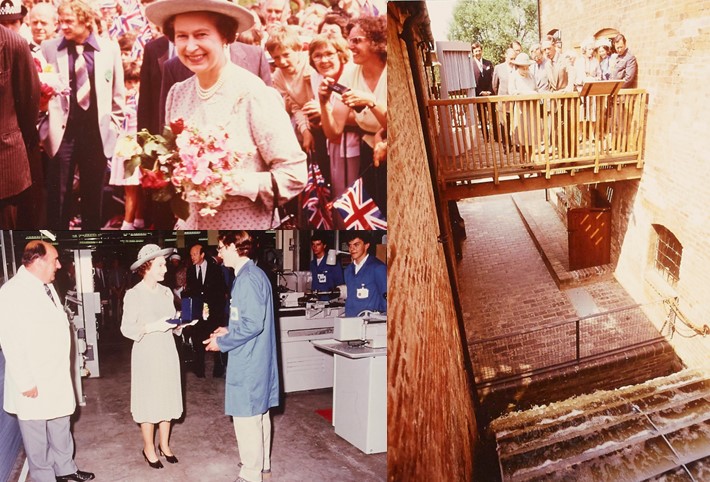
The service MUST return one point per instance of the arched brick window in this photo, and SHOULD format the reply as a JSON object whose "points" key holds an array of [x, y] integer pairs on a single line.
{"points": [[668, 254]]}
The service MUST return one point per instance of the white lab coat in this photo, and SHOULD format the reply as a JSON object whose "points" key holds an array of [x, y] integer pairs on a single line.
{"points": [[35, 339]]}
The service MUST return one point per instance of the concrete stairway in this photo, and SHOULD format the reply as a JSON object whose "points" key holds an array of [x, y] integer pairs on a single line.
{"points": [[658, 430]]}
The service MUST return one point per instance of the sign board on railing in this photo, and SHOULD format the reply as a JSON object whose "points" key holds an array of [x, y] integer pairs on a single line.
{"points": [[601, 87]]}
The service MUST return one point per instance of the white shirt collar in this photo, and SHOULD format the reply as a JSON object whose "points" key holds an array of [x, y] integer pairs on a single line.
{"points": [[361, 263]]}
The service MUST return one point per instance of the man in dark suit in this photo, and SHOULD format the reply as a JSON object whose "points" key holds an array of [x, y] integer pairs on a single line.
{"points": [[248, 57], [154, 57], [206, 283], [19, 108], [483, 74]]}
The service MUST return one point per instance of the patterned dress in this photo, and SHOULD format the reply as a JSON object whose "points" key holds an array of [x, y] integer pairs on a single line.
{"points": [[271, 158]]}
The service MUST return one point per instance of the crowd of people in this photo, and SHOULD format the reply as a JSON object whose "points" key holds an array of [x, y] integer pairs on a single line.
{"points": [[231, 298], [298, 88], [546, 69]]}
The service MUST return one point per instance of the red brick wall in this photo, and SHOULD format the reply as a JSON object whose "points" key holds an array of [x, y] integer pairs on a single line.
{"points": [[430, 408], [671, 41]]}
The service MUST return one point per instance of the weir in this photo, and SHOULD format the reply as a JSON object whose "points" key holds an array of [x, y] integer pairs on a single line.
{"points": [[657, 430]]}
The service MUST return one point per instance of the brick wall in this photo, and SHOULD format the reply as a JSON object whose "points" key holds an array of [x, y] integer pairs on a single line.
{"points": [[430, 408], [671, 41]]}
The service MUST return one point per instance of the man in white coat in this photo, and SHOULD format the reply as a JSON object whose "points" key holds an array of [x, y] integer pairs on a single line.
{"points": [[35, 339]]}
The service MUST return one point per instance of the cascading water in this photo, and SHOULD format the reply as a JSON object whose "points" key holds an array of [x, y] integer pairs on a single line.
{"points": [[659, 430]]}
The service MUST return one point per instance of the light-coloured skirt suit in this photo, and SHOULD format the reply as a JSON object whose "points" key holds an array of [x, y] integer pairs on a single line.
{"points": [[156, 393]]}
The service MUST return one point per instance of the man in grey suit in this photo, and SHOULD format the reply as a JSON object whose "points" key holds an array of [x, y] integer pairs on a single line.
{"points": [[248, 57], [81, 129], [501, 76], [623, 64]]}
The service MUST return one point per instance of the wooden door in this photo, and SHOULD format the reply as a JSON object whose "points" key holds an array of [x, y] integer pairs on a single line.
{"points": [[589, 237]]}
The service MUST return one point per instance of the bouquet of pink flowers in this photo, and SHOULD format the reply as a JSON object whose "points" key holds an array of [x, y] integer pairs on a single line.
{"points": [[184, 165]]}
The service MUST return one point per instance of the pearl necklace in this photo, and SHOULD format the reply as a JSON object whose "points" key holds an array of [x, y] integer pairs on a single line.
{"points": [[205, 94]]}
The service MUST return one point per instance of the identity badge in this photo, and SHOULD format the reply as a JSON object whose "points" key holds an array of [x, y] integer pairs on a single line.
{"points": [[362, 293], [321, 277]]}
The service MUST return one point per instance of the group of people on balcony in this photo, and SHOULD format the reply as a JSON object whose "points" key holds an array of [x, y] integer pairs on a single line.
{"points": [[546, 69]]}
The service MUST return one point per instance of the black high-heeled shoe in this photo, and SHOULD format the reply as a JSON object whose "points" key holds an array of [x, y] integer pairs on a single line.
{"points": [[168, 458], [156, 465]]}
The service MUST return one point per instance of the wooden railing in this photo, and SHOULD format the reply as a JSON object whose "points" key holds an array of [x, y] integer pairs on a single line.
{"points": [[486, 138]]}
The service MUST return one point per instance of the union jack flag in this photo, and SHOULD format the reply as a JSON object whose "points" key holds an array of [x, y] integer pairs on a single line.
{"points": [[316, 196], [131, 20], [358, 209], [139, 46]]}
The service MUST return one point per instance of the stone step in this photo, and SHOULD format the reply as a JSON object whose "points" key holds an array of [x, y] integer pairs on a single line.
{"points": [[600, 404], [614, 435]]}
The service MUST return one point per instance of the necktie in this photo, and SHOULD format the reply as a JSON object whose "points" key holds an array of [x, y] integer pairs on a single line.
{"points": [[199, 275], [49, 293], [83, 87]]}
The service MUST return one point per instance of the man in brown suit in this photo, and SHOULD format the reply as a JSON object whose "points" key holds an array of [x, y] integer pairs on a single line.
{"points": [[19, 108]]}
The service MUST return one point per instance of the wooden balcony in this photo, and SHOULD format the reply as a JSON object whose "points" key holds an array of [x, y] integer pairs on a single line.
{"points": [[555, 140]]}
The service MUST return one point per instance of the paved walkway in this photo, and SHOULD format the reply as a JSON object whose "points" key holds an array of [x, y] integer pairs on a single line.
{"points": [[506, 288]]}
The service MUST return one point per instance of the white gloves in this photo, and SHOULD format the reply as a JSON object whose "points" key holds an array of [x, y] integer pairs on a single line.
{"points": [[158, 326]]}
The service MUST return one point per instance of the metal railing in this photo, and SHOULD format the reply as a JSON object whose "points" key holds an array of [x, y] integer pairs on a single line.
{"points": [[510, 356], [490, 137]]}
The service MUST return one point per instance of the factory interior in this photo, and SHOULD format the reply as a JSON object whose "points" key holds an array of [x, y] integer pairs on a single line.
{"points": [[331, 422]]}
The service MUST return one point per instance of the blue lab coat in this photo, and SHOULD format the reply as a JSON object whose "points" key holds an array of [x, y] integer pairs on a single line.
{"points": [[373, 277], [252, 384]]}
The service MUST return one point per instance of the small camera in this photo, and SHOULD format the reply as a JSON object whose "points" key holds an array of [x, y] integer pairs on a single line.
{"points": [[339, 88]]}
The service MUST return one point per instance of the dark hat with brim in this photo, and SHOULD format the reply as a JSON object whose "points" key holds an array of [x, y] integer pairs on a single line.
{"points": [[161, 11], [11, 10]]}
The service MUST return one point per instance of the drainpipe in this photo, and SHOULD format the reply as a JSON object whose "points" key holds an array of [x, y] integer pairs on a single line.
{"points": [[407, 34], [539, 22]]}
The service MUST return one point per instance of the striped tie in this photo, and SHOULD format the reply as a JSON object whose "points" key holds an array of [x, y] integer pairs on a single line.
{"points": [[83, 86]]}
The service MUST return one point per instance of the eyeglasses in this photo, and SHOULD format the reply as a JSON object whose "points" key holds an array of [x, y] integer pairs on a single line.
{"points": [[220, 247], [356, 40], [325, 56]]}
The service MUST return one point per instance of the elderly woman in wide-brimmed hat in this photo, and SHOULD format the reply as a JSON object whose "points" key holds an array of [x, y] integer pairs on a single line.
{"points": [[526, 114], [156, 393], [272, 166]]}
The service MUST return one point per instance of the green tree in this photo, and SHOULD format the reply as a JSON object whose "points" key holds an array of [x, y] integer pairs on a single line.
{"points": [[495, 23]]}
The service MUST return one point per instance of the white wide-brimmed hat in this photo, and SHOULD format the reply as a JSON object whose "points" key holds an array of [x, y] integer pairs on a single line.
{"points": [[148, 252], [603, 42], [162, 10], [522, 60]]}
